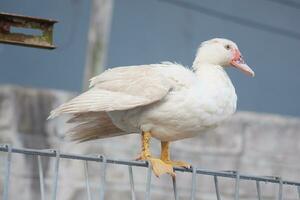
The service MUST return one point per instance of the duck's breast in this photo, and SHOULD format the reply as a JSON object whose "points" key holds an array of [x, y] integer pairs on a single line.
{"points": [[186, 113]]}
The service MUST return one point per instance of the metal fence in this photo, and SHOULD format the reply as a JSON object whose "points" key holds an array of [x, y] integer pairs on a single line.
{"points": [[130, 164]]}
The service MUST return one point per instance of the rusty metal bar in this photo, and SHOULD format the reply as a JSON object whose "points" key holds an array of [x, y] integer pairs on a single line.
{"points": [[9, 21]]}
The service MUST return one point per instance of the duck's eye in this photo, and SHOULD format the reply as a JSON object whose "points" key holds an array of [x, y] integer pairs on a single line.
{"points": [[227, 46]]}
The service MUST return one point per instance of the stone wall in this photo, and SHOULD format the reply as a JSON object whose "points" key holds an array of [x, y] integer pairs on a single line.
{"points": [[257, 144]]}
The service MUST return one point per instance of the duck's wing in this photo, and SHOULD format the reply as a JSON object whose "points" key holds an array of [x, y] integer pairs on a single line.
{"points": [[119, 88]]}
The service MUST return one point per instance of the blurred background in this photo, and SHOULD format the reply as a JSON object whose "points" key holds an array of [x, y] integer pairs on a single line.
{"points": [[137, 32], [91, 36]]}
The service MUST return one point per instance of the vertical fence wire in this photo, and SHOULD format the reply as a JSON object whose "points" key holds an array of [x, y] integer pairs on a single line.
{"points": [[131, 181], [148, 182], [258, 190], [217, 188], [41, 177], [280, 185], [7, 173], [193, 190], [56, 171], [103, 177], [87, 181], [174, 187], [237, 186]]}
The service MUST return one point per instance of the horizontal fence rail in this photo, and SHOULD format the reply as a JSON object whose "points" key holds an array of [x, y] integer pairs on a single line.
{"points": [[130, 163]]}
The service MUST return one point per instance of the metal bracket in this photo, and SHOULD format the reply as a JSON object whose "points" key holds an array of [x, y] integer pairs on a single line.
{"points": [[8, 36]]}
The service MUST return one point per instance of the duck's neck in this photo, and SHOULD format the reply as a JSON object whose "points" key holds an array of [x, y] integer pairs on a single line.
{"points": [[205, 68], [212, 74], [204, 60]]}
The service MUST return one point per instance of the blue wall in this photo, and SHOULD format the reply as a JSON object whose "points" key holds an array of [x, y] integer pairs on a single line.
{"points": [[61, 68], [268, 34]]}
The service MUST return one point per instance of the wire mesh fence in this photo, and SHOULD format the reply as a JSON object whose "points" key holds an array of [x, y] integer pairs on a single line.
{"points": [[194, 171]]}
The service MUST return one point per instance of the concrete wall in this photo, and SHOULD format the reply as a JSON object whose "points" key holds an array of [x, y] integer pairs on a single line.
{"points": [[258, 144]]}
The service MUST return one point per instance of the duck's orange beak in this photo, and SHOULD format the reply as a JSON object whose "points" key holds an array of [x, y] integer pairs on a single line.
{"points": [[238, 62]]}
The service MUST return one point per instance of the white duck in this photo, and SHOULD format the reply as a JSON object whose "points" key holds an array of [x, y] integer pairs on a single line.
{"points": [[166, 101]]}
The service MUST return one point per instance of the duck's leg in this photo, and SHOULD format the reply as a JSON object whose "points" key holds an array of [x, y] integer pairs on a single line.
{"points": [[158, 166], [165, 156]]}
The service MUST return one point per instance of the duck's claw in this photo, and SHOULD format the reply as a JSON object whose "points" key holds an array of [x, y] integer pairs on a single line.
{"points": [[178, 163], [159, 167]]}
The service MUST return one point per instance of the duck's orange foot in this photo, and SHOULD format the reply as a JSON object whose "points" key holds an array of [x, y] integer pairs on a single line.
{"points": [[158, 166]]}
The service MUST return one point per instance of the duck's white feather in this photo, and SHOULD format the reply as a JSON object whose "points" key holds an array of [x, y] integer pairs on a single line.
{"points": [[89, 125], [120, 88]]}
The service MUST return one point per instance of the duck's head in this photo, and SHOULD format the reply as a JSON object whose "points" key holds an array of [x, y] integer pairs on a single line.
{"points": [[222, 52]]}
